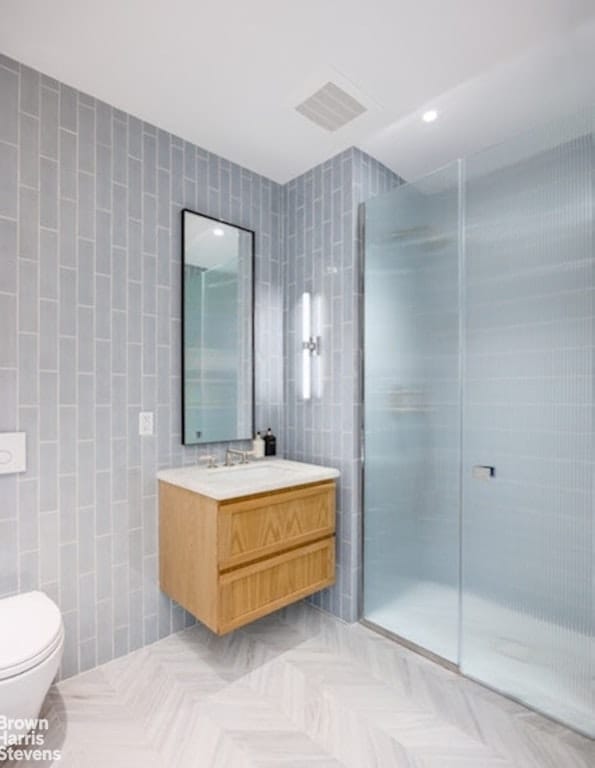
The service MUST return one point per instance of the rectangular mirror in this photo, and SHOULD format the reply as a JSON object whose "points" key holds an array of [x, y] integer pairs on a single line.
{"points": [[217, 330]]}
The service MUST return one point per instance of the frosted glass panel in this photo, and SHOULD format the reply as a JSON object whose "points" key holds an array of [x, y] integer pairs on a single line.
{"points": [[412, 412], [527, 615]]}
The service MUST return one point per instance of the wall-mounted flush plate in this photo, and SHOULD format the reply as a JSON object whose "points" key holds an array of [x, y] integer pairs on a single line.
{"points": [[13, 452], [145, 423]]}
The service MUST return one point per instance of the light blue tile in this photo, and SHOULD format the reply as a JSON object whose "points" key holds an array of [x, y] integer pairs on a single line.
{"points": [[86, 139], [105, 634], [70, 657], [48, 477], [28, 296], [48, 547], [8, 180], [103, 192], [88, 654], [48, 267], [9, 90], [68, 108], [8, 402], [104, 123], [120, 152], [29, 151], [48, 201], [68, 514], [86, 206], [67, 435], [67, 165], [86, 473], [28, 369], [87, 620], [29, 571], [49, 123], [9, 576], [8, 249], [67, 235], [28, 223]]}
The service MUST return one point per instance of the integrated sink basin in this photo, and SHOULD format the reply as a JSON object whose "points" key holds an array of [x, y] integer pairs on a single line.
{"points": [[259, 476]]}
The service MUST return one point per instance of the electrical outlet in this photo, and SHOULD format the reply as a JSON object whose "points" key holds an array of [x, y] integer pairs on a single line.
{"points": [[145, 423]]}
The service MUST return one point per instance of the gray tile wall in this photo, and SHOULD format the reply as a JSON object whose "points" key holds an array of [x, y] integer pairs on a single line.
{"points": [[90, 316], [322, 256]]}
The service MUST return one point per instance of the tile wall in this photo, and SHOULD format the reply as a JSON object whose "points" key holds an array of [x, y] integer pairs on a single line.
{"points": [[90, 201], [322, 256]]}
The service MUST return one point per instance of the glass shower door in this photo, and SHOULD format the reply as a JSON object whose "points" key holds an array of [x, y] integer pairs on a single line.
{"points": [[412, 412], [528, 532]]}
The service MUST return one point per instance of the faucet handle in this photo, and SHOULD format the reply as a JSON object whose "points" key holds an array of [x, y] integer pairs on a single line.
{"points": [[210, 459]]}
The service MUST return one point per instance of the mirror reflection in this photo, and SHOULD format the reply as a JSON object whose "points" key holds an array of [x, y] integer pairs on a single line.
{"points": [[217, 330]]}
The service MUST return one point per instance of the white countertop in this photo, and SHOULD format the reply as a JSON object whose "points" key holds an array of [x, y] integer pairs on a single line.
{"points": [[257, 476]]}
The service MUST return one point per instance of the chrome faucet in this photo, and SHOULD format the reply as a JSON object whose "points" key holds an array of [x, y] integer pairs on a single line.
{"points": [[231, 452]]}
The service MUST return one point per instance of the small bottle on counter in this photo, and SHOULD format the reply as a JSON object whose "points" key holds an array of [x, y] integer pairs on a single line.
{"points": [[258, 446], [270, 443]]}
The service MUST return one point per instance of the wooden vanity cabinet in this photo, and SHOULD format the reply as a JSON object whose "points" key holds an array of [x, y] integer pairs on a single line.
{"points": [[231, 562]]}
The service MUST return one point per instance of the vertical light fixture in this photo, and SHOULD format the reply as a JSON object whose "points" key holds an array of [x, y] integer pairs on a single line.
{"points": [[310, 346]]}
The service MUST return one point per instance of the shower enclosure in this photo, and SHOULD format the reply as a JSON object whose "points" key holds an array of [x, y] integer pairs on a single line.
{"points": [[479, 381]]}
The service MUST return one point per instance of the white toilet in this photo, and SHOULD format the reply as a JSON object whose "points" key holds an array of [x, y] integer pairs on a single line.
{"points": [[31, 645]]}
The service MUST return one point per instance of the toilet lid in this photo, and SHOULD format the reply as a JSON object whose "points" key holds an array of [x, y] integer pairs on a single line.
{"points": [[30, 630]]}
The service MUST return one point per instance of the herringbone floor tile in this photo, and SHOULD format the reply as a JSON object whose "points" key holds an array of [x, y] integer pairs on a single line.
{"points": [[296, 689]]}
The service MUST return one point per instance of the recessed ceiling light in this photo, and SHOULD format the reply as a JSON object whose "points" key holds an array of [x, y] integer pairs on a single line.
{"points": [[218, 232], [429, 116]]}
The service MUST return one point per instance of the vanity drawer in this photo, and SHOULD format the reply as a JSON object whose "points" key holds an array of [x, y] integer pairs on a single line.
{"points": [[262, 526], [247, 593]]}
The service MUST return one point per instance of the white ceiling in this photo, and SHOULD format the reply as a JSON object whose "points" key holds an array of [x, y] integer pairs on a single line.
{"points": [[227, 74]]}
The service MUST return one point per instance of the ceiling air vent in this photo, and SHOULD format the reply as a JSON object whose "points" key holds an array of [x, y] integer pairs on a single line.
{"points": [[330, 107]]}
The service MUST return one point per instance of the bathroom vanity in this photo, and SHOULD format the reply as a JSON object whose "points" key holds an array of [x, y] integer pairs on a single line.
{"points": [[236, 543]]}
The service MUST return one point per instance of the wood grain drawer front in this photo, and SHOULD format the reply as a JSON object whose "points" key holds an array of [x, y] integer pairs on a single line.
{"points": [[246, 594], [259, 527]]}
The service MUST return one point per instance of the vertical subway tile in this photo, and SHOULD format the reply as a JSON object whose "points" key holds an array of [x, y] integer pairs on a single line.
{"points": [[67, 370], [28, 296], [48, 478], [8, 180], [48, 352], [86, 273], [68, 108], [119, 220], [49, 123], [28, 223], [48, 547], [67, 164], [8, 557], [120, 153], [67, 233], [86, 139], [103, 243], [92, 339], [48, 193], [104, 123], [8, 249], [9, 93], [28, 369], [68, 522], [104, 177], [48, 406], [48, 267], [8, 400], [29, 151], [86, 206]]}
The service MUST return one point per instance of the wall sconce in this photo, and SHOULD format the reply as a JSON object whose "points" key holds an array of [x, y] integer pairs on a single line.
{"points": [[310, 346]]}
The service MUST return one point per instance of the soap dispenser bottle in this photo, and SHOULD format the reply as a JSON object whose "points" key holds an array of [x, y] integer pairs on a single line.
{"points": [[258, 446], [270, 443]]}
